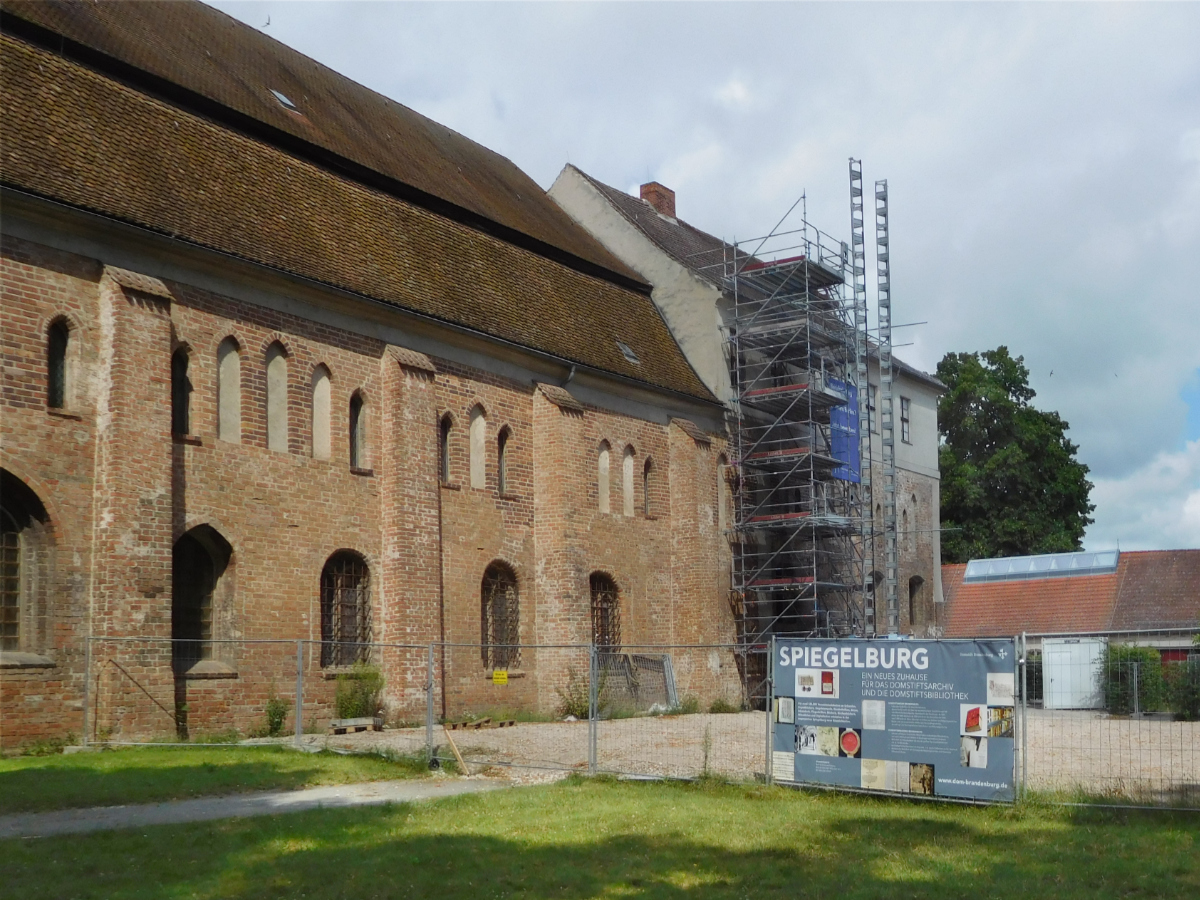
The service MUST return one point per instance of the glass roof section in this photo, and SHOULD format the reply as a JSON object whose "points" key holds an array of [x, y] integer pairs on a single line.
{"points": [[1049, 565]]}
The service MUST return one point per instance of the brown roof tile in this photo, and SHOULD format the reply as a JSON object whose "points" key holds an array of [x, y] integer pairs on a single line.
{"points": [[952, 576], [1042, 605], [218, 58], [1158, 589], [82, 139]]}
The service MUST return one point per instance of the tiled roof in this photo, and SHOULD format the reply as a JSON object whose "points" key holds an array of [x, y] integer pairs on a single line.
{"points": [[560, 397], [216, 57], [1158, 589], [1150, 589], [84, 140], [136, 281]]}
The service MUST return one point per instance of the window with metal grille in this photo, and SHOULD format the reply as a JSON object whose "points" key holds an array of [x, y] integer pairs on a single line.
{"points": [[499, 618], [905, 420], [10, 583], [181, 393], [345, 610], [56, 365], [606, 613]]}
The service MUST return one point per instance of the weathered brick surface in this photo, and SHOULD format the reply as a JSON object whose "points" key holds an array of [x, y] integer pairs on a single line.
{"points": [[119, 491]]}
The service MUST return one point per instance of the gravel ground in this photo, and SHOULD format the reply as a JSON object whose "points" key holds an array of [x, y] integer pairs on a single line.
{"points": [[1147, 758]]}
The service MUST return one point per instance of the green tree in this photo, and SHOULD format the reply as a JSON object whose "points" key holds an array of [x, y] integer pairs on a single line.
{"points": [[1011, 484]]}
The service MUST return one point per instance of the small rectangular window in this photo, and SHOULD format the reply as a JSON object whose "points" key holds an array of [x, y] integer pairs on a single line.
{"points": [[905, 422], [872, 398]]}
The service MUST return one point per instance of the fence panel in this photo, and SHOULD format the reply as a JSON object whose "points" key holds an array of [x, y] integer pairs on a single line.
{"points": [[1114, 718]]}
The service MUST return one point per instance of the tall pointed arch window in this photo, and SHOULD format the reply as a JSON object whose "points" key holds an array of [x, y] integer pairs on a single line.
{"points": [[502, 460], [277, 399], [58, 385], [478, 436], [358, 432], [321, 443], [647, 473], [606, 613], [627, 482], [229, 391], [445, 426], [603, 477], [181, 393], [345, 610], [499, 618]]}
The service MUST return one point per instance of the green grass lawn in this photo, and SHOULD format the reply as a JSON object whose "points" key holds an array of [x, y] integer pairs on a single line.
{"points": [[584, 839], [146, 775]]}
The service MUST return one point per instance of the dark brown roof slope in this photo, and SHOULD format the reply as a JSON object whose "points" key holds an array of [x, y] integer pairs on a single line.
{"points": [[80, 138], [1158, 589], [212, 55]]}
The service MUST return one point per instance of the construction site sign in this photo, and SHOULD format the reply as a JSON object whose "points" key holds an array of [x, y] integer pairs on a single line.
{"points": [[901, 716], [500, 676]]}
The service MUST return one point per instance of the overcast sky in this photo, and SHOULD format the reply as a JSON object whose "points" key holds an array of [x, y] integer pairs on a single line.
{"points": [[1043, 164]]}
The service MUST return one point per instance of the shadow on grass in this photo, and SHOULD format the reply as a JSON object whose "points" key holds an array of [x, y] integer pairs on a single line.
{"points": [[617, 841]]}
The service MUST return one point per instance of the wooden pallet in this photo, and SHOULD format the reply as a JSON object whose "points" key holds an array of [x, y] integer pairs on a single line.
{"points": [[479, 724], [353, 726]]}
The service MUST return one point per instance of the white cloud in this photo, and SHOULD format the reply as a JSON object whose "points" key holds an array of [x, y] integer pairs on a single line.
{"points": [[1155, 508], [734, 94]]}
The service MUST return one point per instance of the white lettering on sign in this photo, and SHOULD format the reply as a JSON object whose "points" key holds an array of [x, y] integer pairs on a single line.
{"points": [[856, 657]]}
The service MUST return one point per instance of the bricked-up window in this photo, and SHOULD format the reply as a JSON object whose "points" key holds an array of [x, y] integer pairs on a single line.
{"points": [[905, 420], [647, 471], [603, 478], [606, 613], [445, 426], [229, 391], [478, 438], [627, 482], [198, 561], [277, 399], [181, 393], [345, 610], [10, 582], [502, 460], [321, 448], [58, 337], [358, 432], [499, 618], [724, 501]]}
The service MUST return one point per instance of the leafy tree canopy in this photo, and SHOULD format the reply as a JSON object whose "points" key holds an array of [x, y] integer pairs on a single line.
{"points": [[1010, 481]]}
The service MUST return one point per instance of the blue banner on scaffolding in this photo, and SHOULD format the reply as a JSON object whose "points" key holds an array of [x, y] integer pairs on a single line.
{"points": [[843, 436]]}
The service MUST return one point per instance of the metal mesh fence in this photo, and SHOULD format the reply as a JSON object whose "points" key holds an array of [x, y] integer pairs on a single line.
{"points": [[1113, 717]]}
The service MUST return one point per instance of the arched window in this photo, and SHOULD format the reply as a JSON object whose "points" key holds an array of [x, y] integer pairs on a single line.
{"points": [[914, 594], [603, 479], [181, 393], [502, 460], [478, 433], [499, 618], [26, 548], [229, 391], [277, 399], [606, 613], [321, 447], [647, 469], [358, 432], [627, 481], [345, 610], [198, 561], [57, 377], [444, 428]]}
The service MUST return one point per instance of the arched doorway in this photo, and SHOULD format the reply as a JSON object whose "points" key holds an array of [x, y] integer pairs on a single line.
{"points": [[198, 562]]}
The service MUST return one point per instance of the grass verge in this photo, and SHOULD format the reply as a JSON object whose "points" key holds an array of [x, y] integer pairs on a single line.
{"points": [[582, 838], [151, 774]]}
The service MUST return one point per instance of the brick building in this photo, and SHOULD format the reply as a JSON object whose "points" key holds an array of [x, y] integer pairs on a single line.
{"points": [[686, 267], [285, 360]]}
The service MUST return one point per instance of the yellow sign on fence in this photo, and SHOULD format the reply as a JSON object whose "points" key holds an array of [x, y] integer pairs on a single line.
{"points": [[500, 676]]}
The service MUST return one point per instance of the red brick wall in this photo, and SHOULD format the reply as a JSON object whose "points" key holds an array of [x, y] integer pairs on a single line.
{"points": [[120, 491]]}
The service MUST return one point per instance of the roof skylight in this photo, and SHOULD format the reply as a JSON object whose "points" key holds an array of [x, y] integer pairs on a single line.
{"points": [[284, 100], [1049, 565], [628, 353]]}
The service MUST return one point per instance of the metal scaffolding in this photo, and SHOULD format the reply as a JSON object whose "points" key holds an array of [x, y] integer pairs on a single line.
{"points": [[797, 360]]}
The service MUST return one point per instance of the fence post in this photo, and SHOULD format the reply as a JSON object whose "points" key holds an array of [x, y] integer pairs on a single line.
{"points": [[87, 684], [768, 774], [429, 708], [593, 709], [1024, 714], [299, 694], [1136, 707]]}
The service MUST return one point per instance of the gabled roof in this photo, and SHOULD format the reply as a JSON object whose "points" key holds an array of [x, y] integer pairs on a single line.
{"points": [[1148, 590], [699, 251], [83, 138]]}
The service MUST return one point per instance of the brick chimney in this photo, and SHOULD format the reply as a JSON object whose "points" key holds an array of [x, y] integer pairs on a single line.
{"points": [[661, 197]]}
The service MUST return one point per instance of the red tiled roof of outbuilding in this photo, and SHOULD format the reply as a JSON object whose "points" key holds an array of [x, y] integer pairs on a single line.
{"points": [[1041, 605], [1158, 589]]}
